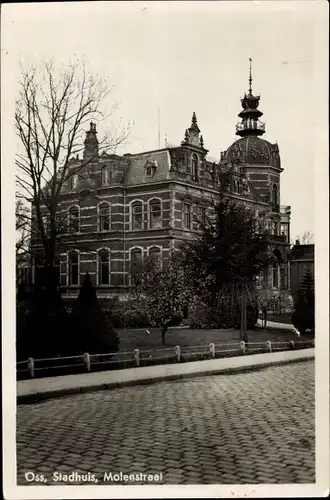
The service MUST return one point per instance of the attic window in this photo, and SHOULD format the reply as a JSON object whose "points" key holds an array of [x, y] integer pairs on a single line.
{"points": [[150, 168]]}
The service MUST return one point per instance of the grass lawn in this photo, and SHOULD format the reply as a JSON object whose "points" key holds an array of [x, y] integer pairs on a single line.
{"points": [[131, 339]]}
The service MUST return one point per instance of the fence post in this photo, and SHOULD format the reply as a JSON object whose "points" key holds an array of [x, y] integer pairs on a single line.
{"points": [[212, 350], [292, 344], [137, 357], [177, 352], [269, 345], [31, 366], [87, 361], [243, 347]]}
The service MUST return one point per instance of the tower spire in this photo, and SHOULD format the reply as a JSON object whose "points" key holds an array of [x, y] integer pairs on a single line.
{"points": [[250, 78], [250, 114]]}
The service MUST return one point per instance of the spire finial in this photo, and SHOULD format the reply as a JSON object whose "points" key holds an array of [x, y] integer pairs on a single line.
{"points": [[194, 119], [250, 78]]}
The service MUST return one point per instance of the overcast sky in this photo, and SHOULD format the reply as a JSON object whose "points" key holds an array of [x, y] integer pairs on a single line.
{"points": [[182, 57]]}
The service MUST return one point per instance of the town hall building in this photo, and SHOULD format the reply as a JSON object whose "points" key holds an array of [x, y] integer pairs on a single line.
{"points": [[120, 210]]}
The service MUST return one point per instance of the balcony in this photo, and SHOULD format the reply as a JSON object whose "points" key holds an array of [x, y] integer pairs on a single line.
{"points": [[251, 125]]}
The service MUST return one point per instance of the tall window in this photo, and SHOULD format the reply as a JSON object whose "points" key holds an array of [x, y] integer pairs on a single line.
{"points": [[72, 182], [39, 270], [104, 217], [136, 264], [60, 222], [186, 216], [73, 268], [106, 175], [104, 267], [275, 228], [285, 230], [74, 220], [194, 164], [155, 255], [155, 214], [137, 215], [275, 195], [57, 267], [202, 216], [275, 276]]}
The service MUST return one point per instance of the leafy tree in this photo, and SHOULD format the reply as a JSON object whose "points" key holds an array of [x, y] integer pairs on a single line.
{"points": [[161, 292], [225, 259], [91, 330]]}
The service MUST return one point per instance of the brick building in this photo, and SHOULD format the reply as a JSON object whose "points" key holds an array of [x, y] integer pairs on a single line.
{"points": [[119, 210]]}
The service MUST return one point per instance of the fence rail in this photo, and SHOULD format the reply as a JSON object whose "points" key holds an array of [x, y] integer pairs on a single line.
{"points": [[170, 354]]}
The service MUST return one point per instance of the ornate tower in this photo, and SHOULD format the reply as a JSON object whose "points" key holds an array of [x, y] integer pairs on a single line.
{"points": [[91, 143], [192, 136], [250, 123]]}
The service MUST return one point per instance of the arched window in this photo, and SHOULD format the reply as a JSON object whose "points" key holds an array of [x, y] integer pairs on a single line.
{"points": [[136, 264], [137, 215], [106, 175], [73, 268], [155, 213], [72, 182], [155, 255], [104, 217], [104, 267], [73, 219], [275, 195], [194, 164]]}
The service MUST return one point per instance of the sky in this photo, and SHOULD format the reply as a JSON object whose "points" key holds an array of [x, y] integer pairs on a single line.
{"points": [[168, 59]]}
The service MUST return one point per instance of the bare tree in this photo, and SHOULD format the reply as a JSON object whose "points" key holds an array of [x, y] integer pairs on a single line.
{"points": [[51, 114], [23, 234], [307, 238]]}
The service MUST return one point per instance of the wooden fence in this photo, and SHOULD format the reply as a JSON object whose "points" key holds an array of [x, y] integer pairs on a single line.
{"points": [[36, 368]]}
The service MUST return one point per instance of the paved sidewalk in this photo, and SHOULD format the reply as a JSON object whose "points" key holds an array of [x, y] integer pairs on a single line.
{"points": [[275, 324], [44, 388]]}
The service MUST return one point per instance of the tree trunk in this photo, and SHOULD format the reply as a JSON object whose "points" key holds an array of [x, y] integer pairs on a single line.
{"points": [[164, 329]]}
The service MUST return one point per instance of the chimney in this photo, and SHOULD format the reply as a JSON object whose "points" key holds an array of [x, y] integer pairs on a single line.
{"points": [[91, 143]]}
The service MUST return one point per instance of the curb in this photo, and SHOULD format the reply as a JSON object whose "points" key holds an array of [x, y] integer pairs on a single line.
{"points": [[58, 393]]}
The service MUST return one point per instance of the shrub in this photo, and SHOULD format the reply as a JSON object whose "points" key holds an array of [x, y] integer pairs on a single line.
{"points": [[202, 316], [42, 324], [91, 328], [135, 318]]}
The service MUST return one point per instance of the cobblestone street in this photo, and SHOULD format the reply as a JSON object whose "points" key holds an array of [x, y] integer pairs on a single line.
{"points": [[249, 428]]}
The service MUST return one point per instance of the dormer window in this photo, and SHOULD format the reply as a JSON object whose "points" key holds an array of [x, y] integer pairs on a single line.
{"points": [[194, 164], [106, 175], [72, 182], [150, 168]]}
